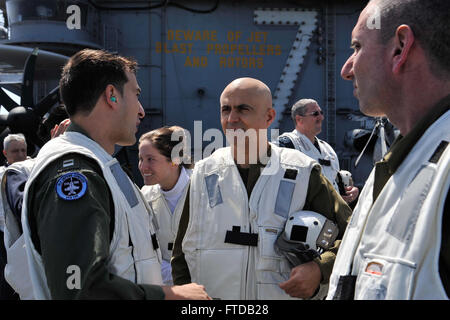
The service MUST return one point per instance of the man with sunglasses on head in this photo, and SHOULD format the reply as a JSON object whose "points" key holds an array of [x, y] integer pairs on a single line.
{"points": [[308, 118]]}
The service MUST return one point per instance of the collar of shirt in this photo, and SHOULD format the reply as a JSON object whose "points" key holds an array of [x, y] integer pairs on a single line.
{"points": [[173, 195], [307, 142], [385, 168], [76, 128], [251, 174]]}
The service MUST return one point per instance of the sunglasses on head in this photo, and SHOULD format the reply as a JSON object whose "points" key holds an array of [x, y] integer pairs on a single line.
{"points": [[314, 114]]}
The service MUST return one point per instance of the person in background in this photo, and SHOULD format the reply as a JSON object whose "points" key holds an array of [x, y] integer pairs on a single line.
{"points": [[14, 148], [17, 283], [166, 178], [308, 119]]}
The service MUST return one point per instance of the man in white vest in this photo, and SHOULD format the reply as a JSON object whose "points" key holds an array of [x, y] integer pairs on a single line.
{"points": [[12, 186], [14, 150], [240, 199], [397, 243], [308, 118], [88, 233]]}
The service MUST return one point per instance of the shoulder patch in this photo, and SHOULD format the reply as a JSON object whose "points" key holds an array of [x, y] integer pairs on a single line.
{"points": [[71, 186], [285, 142]]}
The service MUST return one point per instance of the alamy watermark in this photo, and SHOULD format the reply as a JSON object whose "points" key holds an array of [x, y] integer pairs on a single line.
{"points": [[247, 147], [374, 19], [74, 279], [74, 20]]}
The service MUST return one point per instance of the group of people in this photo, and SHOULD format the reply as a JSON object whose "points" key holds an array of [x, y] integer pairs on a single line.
{"points": [[219, 229]]}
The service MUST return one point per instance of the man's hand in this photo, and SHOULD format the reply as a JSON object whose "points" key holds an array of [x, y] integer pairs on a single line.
{"points": [[304, 281], [59, 129], [351, 194], [190, 291]]}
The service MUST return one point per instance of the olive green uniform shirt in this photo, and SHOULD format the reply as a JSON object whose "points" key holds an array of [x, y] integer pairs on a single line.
{"points": [[385, 168], [321, 197], [78, 232]]}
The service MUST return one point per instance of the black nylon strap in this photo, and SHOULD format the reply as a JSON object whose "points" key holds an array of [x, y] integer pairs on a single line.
{"points": [[346, 288], [324, 162], [155, 242], [242, 238], [438, 152], [290, 174]]}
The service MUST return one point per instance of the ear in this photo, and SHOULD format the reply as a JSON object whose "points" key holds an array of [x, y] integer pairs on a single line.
{"points": [[298, 119], [403, 41], [111, 96], [270, 116], [4, 152]]}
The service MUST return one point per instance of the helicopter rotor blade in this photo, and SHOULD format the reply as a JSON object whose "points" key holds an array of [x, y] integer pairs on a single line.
{"points": [[26, 94], [43, 106], [6, 101]]}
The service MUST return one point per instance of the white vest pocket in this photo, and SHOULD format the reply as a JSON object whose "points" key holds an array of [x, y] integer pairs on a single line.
{"points": [[150, 271], [219, 270], [16, 271]]}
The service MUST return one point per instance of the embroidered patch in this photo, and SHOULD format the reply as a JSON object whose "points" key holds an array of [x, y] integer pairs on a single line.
{"points": [[285, 142], [68, 163], [71, 186]]}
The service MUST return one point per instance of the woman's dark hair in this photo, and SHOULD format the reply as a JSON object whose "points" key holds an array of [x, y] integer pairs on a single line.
{"points": [[165, 139]]}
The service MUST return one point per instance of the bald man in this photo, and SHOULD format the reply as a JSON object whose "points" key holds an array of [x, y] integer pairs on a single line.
{"points": [[240, 199]]}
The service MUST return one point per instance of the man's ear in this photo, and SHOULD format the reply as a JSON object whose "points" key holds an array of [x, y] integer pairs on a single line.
{"points": [[111, 96], [4, 152], [270, 116], [403, 41]]}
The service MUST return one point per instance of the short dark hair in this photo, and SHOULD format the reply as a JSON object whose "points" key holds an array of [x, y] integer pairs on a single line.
{"points": [[86, 75], [161, 139], [428, 20]]}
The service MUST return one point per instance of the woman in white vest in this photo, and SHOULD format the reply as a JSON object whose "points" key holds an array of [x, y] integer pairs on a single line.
{"points": [[166, 180]]}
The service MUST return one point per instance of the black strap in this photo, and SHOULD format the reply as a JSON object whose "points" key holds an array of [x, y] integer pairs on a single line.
{"points": [[346, 288], [243, 238], [340, 184], [437, 154], [324, 162], [170, 246], [290, 174], [155, 242]]}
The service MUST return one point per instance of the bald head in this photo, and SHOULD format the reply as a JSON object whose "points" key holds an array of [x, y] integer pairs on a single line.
{"points": [[246, 106], [250, 88], [246, 103]]}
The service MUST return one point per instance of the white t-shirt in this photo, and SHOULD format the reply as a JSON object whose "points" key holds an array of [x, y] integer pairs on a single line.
{"points": [[173, 195]]}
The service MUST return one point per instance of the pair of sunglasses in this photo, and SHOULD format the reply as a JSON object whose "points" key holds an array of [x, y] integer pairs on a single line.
{"points": [[314, 114]]}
